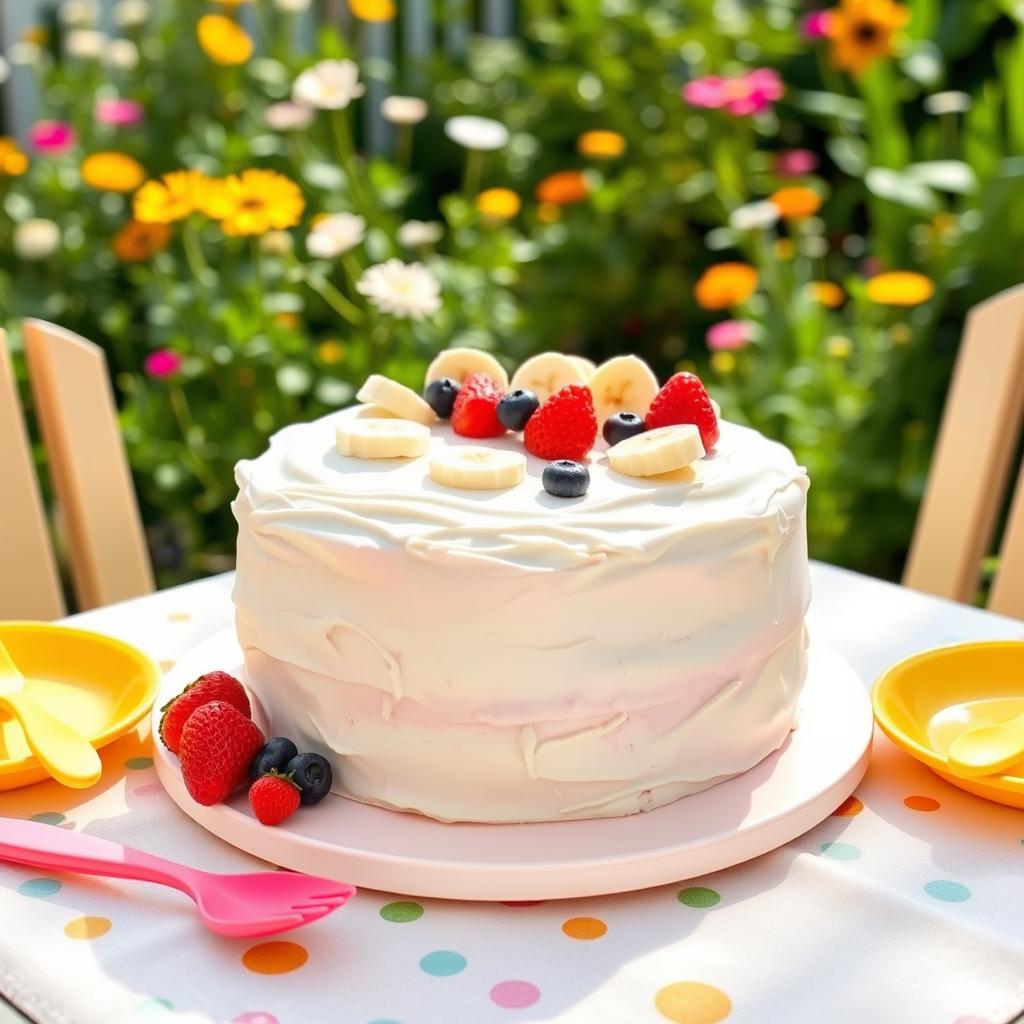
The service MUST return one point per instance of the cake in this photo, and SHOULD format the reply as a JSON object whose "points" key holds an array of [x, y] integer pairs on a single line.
{"points": [[507, 655]]}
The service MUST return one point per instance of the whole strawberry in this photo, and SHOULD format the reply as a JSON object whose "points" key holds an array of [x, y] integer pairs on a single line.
{"points": [[684, 399], [217, 744], [274, 797], [475, 413], [208, 687], [564, 427]]}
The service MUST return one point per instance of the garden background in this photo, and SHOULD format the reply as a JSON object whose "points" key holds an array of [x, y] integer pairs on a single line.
{"points": [[800, 202]]}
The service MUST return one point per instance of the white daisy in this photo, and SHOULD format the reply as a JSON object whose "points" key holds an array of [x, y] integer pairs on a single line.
{"points": [[25, 54], [129, 13], [85, 43], [414, 233], [329, 85], [292, 6], [334, 234], [951, 102], [121, 53], [754, 216], [476, 132], [287, 116], [402, 289], [79, 12], [36, 239], [403, 109]]}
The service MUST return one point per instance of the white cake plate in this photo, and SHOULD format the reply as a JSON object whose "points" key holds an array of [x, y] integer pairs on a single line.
{"points": [[779, 799]]}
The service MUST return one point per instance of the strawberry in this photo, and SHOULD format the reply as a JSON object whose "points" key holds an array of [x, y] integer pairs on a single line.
{"points": [[274, 797], [217, 744], [211, 686], [683, 399], [475, 413], [564, 427]]}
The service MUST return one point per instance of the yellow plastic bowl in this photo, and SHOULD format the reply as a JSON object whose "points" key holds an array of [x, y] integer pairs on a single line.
{"points": [[908, 697], [102, 686]]}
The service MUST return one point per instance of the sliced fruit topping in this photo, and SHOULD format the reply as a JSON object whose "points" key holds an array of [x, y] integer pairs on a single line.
{"points": [[460, 363], [374, 412], [275, 754], [564, 427], [622, 384], [661, 450], [475, 413], [622, 425], [585, 366], [208, 687], [396, 398], [312, 774], [547, 373], [565, 478], [274, 797], [382, 439], [440, 395], [684, 399], [473, 467], [516, 408], [217, 745]]}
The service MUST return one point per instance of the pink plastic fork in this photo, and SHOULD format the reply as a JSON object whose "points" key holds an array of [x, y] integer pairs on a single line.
{"points": [[258, 903]]}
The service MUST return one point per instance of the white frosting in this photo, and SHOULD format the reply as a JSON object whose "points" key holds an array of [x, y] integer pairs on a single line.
{"points": [[511, 656]]}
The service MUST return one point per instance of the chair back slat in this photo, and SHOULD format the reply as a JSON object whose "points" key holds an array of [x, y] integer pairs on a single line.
{"points": [[29, 583], [1007, 595], [78, 419], [972, 460]]}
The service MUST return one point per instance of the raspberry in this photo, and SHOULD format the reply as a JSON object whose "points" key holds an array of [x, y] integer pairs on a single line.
{"points": [[217, 744], [208, 687], [274, 797], [564, 427], [684, 399], [475, 413]]}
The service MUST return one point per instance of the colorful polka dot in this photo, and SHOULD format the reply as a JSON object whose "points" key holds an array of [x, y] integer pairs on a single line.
{"points": [[922, 803], [699, 897], [40, 887], [255, 1017], [49, 818], [840, 851], [849, 808], [401, 912], [88, 927], [274, 957], [137, 764], [515, 994], [442, 963], [692, 1002], [584, 928], [151, 789], [948, 892]]}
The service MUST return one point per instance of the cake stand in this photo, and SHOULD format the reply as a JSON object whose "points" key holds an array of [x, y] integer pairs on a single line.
{"points": [[784, 796]]}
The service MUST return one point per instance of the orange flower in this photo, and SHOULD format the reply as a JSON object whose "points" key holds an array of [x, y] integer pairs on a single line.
{"points": [[372, 10], [563, 188], [498, 203], [900, 288], [253, 202], [861, 31], [174, 197], [796, 202], [601, 145], [13, 161], [827, 293], [725, 285], [112, 172], [223, 40], [137, 242]]}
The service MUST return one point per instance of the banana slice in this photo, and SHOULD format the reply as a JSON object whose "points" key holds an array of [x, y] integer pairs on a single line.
{"points": [[459, 363], [657, 451], [374, 412], [396, 398], [584, 365], [547, 373], [622, 384], [473, 467], [382, 438]]}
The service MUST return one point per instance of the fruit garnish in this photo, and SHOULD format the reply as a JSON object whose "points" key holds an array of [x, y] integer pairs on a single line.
{"points": [[564, 427], [684, 399], [273, 756], [381, 438], [440, 395], [274, 797], [208, 687], [217, 745], [472, 467], [547, 373], [475, 413], [661, 450], [312, 774], [622, 384], [396, 398], [461, 363], [622, 425], [565, 478], [586, 366], [516, 408]]}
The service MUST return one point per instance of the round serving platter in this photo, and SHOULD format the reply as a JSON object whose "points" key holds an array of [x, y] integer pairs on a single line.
{"points": [[779, 799]]}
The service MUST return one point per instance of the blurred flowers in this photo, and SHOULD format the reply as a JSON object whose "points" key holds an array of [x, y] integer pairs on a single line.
{"points": [[329, 85], [795, 202], [253, 202], [498, 203], [223, 40], [861, 31], [112, 172], [54, 138], [795, 163], [175, 196], [36, 239], [480, 133], [164, 362], [900, 288], [754, 216], [828, 293], [414, 234], [563, 188], [401, 289], [725, 284], [601, 144], [118, 112], [753, 92], [372, 10], [403, 109], [130, 13], [729, 335], [334, 234], [13, 161], [85, 44], [136, 242], [814, 25], [286, 116]]}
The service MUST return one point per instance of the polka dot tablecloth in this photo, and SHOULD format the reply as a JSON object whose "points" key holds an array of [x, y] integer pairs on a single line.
{"points": [[905, 905]]}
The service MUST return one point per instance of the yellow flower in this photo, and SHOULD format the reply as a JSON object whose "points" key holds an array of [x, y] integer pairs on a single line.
{"points": [[601, 145], [330, 352], [223, 40], [112, 172], [861, 32], [136, 242], [796, 202], [372, 10], [839, 347], [498, 203], [900, 288], [174, 197], [548, 213], [725, 285], [563, 188], [253, 202], [827, 293], [723, 362], [13, 161], [783, 249]]}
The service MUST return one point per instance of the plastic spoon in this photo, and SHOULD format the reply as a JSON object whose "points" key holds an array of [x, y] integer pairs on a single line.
{"points": [[62, 751], [989, 749]]}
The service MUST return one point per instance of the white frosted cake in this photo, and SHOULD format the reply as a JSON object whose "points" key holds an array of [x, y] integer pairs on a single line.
{"points": [[506, 655]]}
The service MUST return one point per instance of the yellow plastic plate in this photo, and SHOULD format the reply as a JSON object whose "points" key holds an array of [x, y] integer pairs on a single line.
{"points": [[923, 703], [102, 686]]}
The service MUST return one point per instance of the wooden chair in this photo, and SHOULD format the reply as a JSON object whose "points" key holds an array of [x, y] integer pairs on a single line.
{"points": [[98, 512], [971, 467]]}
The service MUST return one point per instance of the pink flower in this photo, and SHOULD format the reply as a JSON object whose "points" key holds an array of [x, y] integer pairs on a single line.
{"points": [[52, 137], [742, 95], [795, 163], [728, 335], [163, 363], [708, 92], [118, 112], [814, 25]]}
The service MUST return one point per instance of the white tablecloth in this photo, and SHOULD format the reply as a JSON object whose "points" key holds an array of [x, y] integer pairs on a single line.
{"points": [[905, 906]]}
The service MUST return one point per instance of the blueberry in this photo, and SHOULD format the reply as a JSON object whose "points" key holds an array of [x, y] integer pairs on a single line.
{"points": [[312, 775], [565, 478], [440, 395], [272, 756], [516, 408], [622, 425]]}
